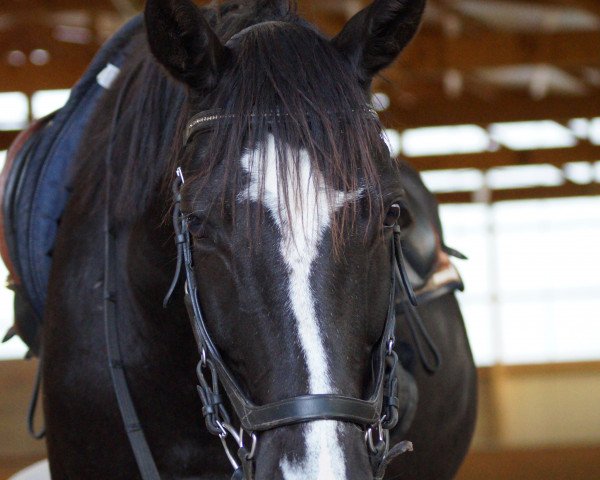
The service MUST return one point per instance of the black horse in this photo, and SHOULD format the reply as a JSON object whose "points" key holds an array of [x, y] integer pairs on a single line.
{"points": [[289, 199]]}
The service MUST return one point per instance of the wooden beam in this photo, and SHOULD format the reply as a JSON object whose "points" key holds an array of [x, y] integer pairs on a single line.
{"points": [[66, 64], [60, 73], [502, 107], [543, 369], [25, 6], [591, 6], [505, 158], [6, 138], [29, 37], [100, 24], [533, 193], [432, 51]]}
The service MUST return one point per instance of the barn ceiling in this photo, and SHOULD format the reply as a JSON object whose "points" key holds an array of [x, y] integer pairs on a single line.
{"points": [[474, 62]]}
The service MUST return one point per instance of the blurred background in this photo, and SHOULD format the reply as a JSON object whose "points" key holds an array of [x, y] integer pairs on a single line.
{"points": [[497, 103]]}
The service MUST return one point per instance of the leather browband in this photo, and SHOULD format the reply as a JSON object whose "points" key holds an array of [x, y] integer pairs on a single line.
{"points": [[205, 120]]}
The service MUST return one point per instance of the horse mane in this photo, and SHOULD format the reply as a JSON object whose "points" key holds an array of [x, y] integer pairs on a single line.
{"points": [[137, 123], [321, 109]]}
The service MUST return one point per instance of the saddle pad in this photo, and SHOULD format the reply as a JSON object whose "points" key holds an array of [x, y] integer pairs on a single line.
{"points": [[38, 185], [11, 171]]}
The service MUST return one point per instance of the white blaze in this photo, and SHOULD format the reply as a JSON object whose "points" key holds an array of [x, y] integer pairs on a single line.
{"points": [[302, 224]]}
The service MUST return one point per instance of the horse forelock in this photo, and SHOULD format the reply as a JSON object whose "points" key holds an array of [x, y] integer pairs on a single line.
{"points": [[309, 102]]}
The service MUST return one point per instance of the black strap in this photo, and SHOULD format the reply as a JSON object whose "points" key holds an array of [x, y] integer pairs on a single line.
{"points": [[246, 465], [135, 434], [204, 121], [419, 331], [381, 461], [453, 252], [179, 240], [308, 408], [131, 422], [413, 318], [33, 403]]}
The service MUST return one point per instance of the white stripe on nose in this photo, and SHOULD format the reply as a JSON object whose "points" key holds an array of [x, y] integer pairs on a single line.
{"points": [[302, 222]]}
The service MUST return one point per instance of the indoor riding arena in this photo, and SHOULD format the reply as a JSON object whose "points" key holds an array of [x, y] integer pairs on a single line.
{"points": [[496, 103]]}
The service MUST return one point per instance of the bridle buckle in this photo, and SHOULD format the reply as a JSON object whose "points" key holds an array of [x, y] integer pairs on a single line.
{"points": [[383, 444]]}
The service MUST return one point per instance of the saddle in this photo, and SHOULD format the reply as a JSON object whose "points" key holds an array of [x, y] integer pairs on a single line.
{"points": [[36, 182], [430, 271]]}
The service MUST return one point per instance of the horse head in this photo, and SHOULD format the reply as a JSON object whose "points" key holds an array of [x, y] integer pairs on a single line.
{"points": [[289, 188]]}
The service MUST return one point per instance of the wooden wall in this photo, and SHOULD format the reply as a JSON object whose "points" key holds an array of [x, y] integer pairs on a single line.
{"points": [[527, 406], [559, 463], [17, 448], [535, 422]]}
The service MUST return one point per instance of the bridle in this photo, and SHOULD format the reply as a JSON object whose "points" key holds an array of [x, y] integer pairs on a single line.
{"points": [[377, 415]]}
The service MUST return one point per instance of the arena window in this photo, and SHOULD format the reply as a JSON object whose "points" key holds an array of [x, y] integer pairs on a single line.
{"points": [[47, 101], [14, 110], [533, 290]]}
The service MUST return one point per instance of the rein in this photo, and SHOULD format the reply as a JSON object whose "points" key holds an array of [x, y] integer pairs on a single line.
{"points": [[131, 422]]}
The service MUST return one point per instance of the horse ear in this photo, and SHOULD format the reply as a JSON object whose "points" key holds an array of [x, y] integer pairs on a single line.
{"points": [[183, 42], [376, 35]]}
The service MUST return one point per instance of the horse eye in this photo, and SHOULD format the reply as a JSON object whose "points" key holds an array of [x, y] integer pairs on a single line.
{"points": [[392, 216], [196, 226]]}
